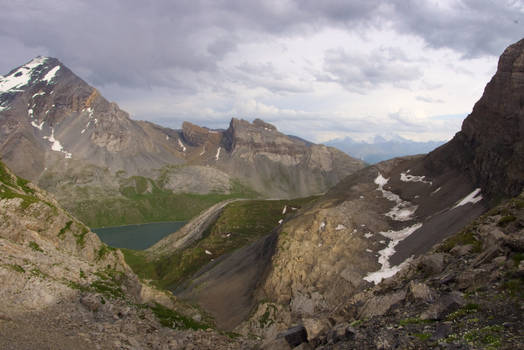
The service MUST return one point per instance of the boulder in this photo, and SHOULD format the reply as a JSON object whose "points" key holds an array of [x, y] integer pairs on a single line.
{"points": [[294, 336], [443, 306], [432, 264], [379, 305]]}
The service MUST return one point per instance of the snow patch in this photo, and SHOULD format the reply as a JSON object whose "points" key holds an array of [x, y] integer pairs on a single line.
{"points": [[403, 210], [412, 178], [217, 156], [284, 210], [21, 76], [30, 113], [322, 226], [470, 198], [368, 235], [167, 137], [208, 252], [203, 151], [38, 94], [55, 144], [340, 227], [181, 145], [369, 250], [51, 74], [38, 126], [280, 221], [438, 189], [386, 270]]}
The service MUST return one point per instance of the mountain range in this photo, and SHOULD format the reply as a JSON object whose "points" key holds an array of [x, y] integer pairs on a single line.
{"points": [[422, 251], [61, 133], [380, 148]]}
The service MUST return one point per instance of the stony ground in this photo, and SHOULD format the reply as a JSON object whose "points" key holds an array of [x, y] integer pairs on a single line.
{"points": [[465, 294]]}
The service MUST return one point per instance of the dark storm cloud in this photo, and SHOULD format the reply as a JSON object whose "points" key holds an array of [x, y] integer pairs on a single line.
{"points": [[471, 27], [140, 43]]}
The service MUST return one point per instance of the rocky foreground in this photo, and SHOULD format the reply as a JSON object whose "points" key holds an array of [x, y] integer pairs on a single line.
{"points": [[466, 293], [64, 289]]}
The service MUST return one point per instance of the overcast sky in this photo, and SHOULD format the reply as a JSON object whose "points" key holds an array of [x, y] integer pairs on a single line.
{"points": [[318, 69]]}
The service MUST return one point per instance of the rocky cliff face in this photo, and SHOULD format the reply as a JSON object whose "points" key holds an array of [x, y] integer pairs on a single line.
{"points": [[62, 288], [53, 124], [490, 146], [369, 226]]}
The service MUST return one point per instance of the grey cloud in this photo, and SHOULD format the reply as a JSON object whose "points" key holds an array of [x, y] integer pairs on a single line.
{"points": [[472, 27], [428, 99], [361, 72]]}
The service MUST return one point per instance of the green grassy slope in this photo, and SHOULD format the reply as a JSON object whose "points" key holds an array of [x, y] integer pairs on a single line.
{"points": [[239, 224]]}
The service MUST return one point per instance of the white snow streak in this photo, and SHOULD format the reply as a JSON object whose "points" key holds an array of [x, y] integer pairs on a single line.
{"points": [[208, 252], [38, 126], [280, 221], [38, 94], [217, 156], [403, 210], [470, 198], [284, 210], [340, 227], [55, 144], [203, 150], [51, 74], [386, 270], [405, 177], [181, 145]]}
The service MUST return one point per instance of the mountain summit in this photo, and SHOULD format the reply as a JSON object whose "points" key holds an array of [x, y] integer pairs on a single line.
{"points": [[60, 132]]}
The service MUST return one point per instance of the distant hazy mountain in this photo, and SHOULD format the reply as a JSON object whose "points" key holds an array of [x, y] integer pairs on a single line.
{"points": [[381, 149]]}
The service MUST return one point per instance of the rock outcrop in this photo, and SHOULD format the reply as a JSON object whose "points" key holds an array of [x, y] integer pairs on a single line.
{"points": [[64, 289], [471, 298], [490, 146]]}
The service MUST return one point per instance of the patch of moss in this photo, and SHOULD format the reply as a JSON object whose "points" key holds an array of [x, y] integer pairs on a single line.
{"points": [[413, 320], [64, 229], [463, 311], [80, 237], [464, 237], [33, 245], [172, 319], [486, 336], [505, 220], [103, 251], [109, 283], [517, 258], [265, 320], [37, 273], [16, 267], [422, 336]]}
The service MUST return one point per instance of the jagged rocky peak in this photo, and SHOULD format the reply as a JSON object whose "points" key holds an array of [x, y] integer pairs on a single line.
{"points": [[194, 135], [490, 146]]}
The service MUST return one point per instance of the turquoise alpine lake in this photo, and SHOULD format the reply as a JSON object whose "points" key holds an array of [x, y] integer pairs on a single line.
{"points": [[137, 237]]}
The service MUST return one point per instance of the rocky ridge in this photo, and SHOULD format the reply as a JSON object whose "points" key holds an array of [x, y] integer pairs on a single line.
{"points": [[72, 291], [61, 133]]}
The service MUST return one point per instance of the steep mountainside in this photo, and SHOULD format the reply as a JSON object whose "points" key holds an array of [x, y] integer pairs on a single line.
{"points": [[466, 293], [64, 289], [59, 131], [375, 221]]}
